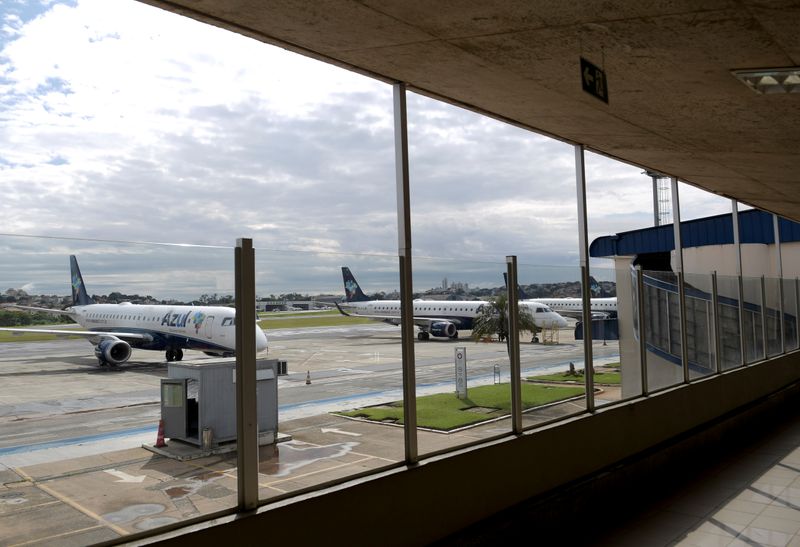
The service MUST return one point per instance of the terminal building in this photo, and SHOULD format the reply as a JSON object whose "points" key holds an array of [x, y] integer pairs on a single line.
{"points": [[703, 93], [712, 260]]}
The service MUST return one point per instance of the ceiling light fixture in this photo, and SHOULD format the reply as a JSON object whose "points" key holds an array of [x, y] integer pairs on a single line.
{"points": [[770, 80]]}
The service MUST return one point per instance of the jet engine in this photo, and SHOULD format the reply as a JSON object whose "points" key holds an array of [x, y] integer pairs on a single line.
{"points": [[113, 351], [444, 328]]}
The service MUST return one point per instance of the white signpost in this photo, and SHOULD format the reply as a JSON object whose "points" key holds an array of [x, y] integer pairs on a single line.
{"points": [[461, 373]]}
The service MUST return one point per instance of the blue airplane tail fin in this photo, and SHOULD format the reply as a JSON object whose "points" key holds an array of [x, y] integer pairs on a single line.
{"points": [[79, 295], [352, 291]]}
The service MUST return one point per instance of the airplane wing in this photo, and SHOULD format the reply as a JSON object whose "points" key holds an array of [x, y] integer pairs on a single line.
{"points": [[33, 308], [426, 321], [391, 319], [395, 320], [91, 335]]}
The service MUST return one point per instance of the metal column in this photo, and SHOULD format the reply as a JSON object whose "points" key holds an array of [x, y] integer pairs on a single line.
{"points": [[797, 309], [513, 345], [246, 402], [779, 263], [715, 316], [406, 289], [764, 339], [583, 245], [642, 328], [737, 244], [676, 227]]}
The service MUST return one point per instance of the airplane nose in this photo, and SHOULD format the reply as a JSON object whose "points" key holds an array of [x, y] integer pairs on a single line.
{"points": [[261, 340]]}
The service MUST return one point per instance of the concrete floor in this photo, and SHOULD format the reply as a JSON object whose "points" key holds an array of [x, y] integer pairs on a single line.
{"points": [[743, 491]]}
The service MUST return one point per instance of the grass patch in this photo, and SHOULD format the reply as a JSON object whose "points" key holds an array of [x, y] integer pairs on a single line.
{"points": [[599, 378], [6, 336], [445, 411], [269, 315]]}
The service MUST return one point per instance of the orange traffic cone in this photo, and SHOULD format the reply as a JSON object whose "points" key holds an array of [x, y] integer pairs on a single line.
{"points": [[308, 377], [160, 438]]}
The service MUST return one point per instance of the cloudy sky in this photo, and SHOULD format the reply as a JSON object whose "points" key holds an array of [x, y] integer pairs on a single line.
{"points": [[122, 122]]}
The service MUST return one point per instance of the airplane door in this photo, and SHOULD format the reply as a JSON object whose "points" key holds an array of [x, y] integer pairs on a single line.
{"points": [[209, 326]]}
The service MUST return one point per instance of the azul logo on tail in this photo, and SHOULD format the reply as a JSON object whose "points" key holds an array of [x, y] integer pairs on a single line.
{"points": [[353, 292], [79, 295]]}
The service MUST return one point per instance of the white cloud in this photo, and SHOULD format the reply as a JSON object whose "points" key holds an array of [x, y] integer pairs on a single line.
{"points": [[125, 122]]}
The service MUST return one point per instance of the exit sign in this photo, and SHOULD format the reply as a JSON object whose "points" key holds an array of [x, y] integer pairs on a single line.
{"points": [[594, 80]]}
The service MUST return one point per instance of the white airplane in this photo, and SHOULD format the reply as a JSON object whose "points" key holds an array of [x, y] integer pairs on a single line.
{"points": [[443, 318], [114, 329], [602, 308]]}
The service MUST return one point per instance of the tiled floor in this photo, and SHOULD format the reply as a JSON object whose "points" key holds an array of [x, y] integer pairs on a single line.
{"points": [[751, 496], [747, 493]]}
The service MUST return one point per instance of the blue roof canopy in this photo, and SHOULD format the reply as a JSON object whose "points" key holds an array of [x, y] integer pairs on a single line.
{"points": [[755, 226]]}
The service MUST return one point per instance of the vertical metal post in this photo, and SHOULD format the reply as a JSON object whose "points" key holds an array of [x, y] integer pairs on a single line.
{"points": [[406, 288], [715, 316], [246, 402], [764, 343], [513, 345], [779, 263], [642, 329], [739, 273], [676, 219], [583, 245], [669, 320], [656, 216], [797, 309]]}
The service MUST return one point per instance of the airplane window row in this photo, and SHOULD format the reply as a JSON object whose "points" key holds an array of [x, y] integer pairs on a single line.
{"points": [[397, 308], [123, 317]]}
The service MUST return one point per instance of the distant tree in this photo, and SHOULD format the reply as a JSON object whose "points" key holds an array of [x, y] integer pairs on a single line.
{"points": [[493, 319]]}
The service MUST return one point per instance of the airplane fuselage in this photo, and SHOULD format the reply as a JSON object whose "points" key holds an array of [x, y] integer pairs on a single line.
{"points": [[573, 307], [211, 329], [460, 313]]}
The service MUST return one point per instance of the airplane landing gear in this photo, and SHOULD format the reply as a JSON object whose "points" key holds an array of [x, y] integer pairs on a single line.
{"points": [[174, 354], [422, 336], [455, 336]]}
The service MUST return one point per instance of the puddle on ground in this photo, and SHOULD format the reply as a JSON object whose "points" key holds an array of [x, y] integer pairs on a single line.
{"points": [[202, 484], [12, 498], [133, 512], [288, 456]]}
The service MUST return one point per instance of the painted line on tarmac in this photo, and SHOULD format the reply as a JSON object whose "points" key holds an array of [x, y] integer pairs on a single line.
{"points": [[387, 393], [77, 440]]}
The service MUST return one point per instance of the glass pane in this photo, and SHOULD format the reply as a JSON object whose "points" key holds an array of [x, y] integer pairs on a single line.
{"points": [[790, 313], [553, 359], [461, 354], [622, 198], [772, 291], [728, 315], [753, 329], [700, 325], [80, 414], [611, 331], [335, 349], [662, 329]]}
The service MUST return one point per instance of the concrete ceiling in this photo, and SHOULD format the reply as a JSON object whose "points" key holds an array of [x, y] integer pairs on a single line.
{"points": [[673, 107]]}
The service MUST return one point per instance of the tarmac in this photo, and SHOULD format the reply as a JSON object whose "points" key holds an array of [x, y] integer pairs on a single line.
{"points": [[78, 465]]}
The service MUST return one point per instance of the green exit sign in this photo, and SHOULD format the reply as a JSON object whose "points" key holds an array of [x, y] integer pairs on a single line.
{"points": [[594, 80]]}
